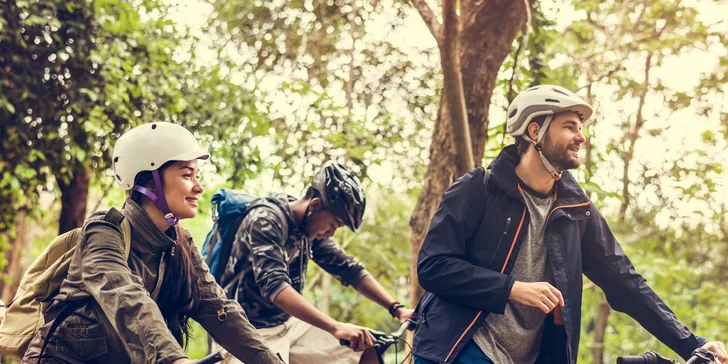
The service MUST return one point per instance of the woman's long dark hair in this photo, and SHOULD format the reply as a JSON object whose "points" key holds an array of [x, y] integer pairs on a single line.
{"points": [[180, 293]]}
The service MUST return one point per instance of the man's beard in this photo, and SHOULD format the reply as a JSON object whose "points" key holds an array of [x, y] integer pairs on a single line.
{"points": [[559, 155]]}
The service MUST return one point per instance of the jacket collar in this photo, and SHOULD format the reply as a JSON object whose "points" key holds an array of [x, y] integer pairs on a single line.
{"points": [[283, 201], [503, 169], [145, 234]]}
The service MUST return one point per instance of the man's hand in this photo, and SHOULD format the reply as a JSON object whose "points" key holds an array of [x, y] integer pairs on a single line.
{"points": [[359, 337], [718, 348], [403, 314], [537, 294]]}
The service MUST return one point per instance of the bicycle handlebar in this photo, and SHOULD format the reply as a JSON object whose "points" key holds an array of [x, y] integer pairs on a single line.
{"points": [[386, 339], [700, 356], [210, 359], [648, 358]]}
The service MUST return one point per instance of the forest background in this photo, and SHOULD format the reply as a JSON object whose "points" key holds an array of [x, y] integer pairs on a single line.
{"points": [[409, 94]]}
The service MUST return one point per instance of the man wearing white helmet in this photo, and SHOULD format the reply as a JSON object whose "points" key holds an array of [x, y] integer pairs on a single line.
{"points": [[121, 304], [503, 260]]}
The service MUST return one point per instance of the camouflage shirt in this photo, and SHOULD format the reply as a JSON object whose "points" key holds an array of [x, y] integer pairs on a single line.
{"points": [[270, 253]]}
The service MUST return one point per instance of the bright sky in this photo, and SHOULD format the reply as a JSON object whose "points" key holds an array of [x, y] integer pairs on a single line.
{"points": [[682, 72]]}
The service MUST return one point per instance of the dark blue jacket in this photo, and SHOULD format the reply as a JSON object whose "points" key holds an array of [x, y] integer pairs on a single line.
{"points": [[474, 238]]}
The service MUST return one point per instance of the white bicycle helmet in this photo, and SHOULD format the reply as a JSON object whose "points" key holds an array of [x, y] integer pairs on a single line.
{"points": [[146, 148], [543, 100]]}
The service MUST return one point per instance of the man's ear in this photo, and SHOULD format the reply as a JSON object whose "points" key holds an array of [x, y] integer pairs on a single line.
{"points": [[532, 130], [315, 204]]}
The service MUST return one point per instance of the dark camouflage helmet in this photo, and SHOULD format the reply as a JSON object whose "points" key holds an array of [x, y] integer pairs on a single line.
{"points": [[341, 194]]}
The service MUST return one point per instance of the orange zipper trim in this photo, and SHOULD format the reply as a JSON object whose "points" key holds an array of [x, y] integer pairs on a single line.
{"points": [[461, 336]]}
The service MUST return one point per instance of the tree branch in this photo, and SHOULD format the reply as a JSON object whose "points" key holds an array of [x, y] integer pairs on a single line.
{"points": [[453, 87], [616, 69], [429, 18], [523, 43]]}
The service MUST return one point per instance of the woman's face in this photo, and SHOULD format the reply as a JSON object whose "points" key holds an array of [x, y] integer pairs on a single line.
{"points": [[182, 188]]}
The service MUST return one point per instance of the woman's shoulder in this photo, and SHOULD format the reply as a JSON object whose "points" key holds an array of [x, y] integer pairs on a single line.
{"points": [[104, 220]]}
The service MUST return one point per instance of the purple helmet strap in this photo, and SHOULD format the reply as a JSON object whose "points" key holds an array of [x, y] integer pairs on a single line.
{"points": [[145, 192], [161, 201]]}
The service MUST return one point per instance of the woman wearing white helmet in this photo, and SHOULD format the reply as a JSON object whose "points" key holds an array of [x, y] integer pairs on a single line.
{"points": [[133, 306]]}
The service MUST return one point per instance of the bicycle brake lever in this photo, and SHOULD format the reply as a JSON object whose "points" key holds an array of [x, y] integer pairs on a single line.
{"points": [[702, 356]]}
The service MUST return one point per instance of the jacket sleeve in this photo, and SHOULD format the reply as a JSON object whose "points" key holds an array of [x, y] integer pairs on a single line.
{"points": [[226, 321], [607, 265], [335, 261], [123, 298], [265, 239], [443, 267]]}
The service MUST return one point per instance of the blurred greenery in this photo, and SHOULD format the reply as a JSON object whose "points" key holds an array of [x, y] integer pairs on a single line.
{"points": [[276, 88]]}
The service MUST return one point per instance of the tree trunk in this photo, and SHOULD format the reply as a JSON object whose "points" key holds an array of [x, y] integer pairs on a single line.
{"points": [[325, 306], [600, 329], [604, 310], [74, 197], [488, 29], [632, 137], [19, 249], [451, 71], [600, 325]]}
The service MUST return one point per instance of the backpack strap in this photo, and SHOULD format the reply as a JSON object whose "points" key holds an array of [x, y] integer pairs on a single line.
{"points": [[62, 315], [117, 218], [126, 234]]}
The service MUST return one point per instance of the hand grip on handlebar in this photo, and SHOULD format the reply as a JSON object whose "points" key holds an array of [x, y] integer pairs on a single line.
{"points": [[701, 355], [380, 336], [210, 359], [631, 360], [648, 358]]}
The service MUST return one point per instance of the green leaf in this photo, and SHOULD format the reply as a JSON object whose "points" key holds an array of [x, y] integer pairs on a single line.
{"points": [[92, 95]]}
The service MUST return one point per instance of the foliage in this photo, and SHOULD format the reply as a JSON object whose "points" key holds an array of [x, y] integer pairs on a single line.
{"points": [[293, 84]]}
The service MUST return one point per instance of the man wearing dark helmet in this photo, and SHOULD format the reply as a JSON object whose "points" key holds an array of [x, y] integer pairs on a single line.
{"points": [[272, 248]]}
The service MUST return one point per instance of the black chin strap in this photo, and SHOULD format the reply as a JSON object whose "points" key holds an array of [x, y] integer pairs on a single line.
{"points": [[304, 222]]}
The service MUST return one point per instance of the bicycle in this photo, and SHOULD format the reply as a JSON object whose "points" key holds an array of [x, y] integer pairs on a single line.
{"points": [[383, 340], [700, 356], [210, 359]]}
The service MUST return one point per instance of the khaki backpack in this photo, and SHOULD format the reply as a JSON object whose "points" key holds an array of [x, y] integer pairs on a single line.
{"points": [[40, 283]]}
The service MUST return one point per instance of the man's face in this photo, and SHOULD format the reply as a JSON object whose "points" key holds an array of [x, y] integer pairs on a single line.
{"points": [[563, 141], [321, 223]]}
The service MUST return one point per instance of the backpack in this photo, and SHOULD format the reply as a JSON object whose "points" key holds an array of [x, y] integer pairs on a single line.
{"points": [[40, 283], [228, 210]]}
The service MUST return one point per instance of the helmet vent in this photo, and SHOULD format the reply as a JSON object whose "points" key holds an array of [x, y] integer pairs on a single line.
{"points": [[513, 113], [154, 126], [561, 92], [532, 88], [118, 178], [553, 100], [116, 159], [152, 164]]}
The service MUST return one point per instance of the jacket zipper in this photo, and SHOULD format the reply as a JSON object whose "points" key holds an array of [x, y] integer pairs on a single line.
{"points": [[505, 232], [568, 359]]}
